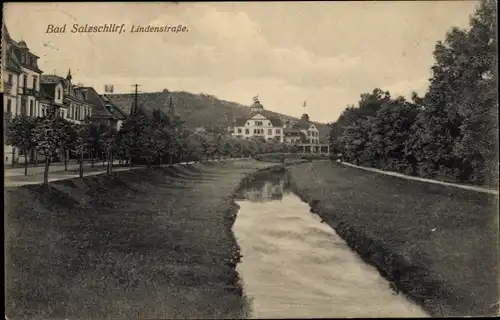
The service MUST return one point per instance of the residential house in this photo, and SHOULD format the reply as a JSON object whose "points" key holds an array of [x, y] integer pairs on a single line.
{"points": [[104, 110], [52, 95], [302, 131], [21, 83], [257, 125], [69, 100]]}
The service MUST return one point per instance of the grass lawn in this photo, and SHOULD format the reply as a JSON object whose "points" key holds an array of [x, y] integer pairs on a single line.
{"points": [[438, 244], [151, 243]]}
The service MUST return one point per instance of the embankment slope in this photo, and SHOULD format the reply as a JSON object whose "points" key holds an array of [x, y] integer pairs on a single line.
{"points": [[436, 243], [153, 243]]}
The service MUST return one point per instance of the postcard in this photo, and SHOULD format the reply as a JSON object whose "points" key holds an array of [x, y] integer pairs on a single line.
{"points": [[230, 160]]}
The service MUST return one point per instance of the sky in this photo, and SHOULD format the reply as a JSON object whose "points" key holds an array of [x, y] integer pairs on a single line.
{"points": [[325, 53]]}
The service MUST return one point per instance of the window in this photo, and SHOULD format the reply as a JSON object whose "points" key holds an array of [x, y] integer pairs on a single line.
{"points": [[43, 111], [247, 131], [309, 133], [32, 108], [258, 123], [25, 81], [239, 130], [23, 107], [270, 131], [34, 82], [9, 106], [59, 93], [278, 131], [10, 80]]}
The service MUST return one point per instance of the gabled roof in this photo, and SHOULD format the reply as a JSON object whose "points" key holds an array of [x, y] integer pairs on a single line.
{"points": [[276, 122], [113, 109], [75, 92], [12, 61], [100, 106], [51, 79], [302, 125]]}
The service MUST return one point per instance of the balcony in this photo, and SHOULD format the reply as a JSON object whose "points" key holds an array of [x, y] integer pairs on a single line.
{"points": [[29, 92], [7, 87]]}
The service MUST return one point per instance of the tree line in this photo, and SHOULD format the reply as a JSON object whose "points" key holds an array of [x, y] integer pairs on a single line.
{"points": [[450, 132], [143, 139]]}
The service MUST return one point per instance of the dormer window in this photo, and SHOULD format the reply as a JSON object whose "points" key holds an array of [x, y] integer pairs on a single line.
{"points": [[59, 93]]}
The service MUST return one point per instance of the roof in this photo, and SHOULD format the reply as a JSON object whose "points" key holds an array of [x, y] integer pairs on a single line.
{"points": [[288, 132], [302, 125], [12, 61], [275, 121], [257, 104], [51, 79], [101, 106], [113, 109], [74, 92], [148, 102]]}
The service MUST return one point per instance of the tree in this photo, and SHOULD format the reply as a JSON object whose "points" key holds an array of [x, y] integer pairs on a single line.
{"points": [[68, 137], [81, 144], [206, 144], [107, 141], [20, 134], [217, 137], [48, 137], [175, 135], [452, 130], [94, 136], [459, 127]]}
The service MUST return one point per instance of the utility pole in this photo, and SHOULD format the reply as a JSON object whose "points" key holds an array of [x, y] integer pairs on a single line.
{"points": [[136, 99]]}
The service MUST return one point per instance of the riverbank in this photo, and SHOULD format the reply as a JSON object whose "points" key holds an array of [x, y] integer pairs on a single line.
{"points": [[436, 243], [147, 243]]}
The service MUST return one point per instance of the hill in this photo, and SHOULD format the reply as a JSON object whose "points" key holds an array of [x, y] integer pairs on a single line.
{"points": [[198, 110]]}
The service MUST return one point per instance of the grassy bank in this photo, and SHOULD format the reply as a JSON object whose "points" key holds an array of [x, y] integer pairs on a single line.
{"points": [[151, 243], [438, 244], [292, 158]]}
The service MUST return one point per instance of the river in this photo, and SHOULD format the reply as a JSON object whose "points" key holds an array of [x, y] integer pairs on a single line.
{"points": [[295, 266]]}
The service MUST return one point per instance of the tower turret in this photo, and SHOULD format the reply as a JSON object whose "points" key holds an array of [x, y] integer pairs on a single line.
{"points": [[69, 77], [256, 106]]}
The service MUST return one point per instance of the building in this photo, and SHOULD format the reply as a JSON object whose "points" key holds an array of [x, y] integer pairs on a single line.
{"points": [[257, 125], [69, 100], [104, 111], [21, 84], [305, 135], [302, 131]]}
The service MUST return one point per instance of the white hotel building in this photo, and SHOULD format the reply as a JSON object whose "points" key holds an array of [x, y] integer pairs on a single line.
{"points": [[260, 124]]}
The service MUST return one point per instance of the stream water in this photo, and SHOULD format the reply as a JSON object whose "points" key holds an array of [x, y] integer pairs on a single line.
{"points": [[295, 266]]}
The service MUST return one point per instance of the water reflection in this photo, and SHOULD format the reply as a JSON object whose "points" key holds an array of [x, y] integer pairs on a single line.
{"points": [[265, 187], [295, 266]]}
